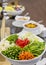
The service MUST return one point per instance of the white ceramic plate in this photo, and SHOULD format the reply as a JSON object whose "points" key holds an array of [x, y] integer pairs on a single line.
{"points": [[17, 24]]}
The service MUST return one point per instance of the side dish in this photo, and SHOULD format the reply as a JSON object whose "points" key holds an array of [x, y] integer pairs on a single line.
{"points": [[14, 8], [30, 25]]}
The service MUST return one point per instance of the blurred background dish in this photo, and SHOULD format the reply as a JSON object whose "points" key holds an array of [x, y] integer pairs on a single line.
{"points": [[14, 10], [33, 27], [22, 18], [1, 14], [0, 7], [16, 24]]}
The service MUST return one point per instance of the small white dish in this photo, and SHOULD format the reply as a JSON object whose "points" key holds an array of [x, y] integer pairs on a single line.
{"points": [[19, 23], [22, 19], [36, 30]]}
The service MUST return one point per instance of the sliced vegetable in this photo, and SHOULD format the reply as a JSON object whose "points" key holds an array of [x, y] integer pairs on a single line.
{"points": [[23, 47], [12, 52], [36, 47], [12, 38], [21, 42], [25, 55]]}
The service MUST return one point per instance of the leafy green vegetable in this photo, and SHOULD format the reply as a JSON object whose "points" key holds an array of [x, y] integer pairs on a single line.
{"points": [[12, 52], [12, 38]]}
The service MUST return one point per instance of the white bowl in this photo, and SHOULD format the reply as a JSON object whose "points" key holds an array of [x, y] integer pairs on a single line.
{"points": [[36, 30], [25, 62], [15, 12], [20, 18], [21, 22]]}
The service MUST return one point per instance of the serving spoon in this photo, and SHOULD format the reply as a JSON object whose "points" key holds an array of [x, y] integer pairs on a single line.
{"points": [[26, 14], [41, 21]]}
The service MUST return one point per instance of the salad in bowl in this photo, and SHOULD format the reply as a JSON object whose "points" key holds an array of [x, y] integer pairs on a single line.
{"points": [[22, 49], [14, 9]]}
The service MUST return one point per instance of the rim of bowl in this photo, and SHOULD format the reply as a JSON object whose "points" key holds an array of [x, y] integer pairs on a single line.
{"points": [[16, 18], [38, 25]]}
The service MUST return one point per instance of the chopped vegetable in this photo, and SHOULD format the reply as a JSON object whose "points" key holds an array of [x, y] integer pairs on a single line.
{"points": [[21, 42], [24, 55], [23, 47], [12, 52], [12, 38], [36, 48]]}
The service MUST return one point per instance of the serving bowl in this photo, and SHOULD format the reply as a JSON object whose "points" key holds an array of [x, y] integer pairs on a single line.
{"points": [[22, 18], [25, 62], [33, 27], [14, 11]]}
